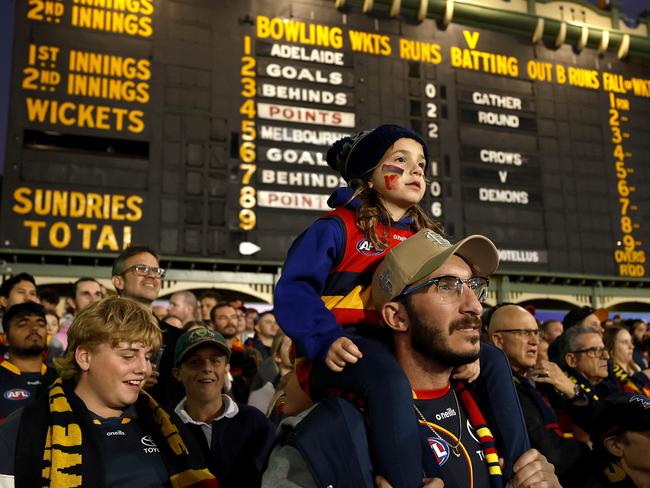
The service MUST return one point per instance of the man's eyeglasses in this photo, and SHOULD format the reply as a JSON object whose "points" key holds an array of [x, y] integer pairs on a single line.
{"points": [[144, 270], [451, 287], [593, 352], [527, 333]]}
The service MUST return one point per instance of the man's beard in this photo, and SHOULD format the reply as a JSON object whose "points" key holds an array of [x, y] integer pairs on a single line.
{"points": [[229, 332], [430, 341], [27, 352]]}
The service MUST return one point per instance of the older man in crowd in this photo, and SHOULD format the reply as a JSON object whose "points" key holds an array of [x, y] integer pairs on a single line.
{"points": [[514, 330]]}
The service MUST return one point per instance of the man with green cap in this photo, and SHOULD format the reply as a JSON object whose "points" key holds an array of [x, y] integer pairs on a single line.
{"points": [[236, 439]]}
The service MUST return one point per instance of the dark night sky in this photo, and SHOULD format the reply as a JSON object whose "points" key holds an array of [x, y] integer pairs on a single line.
{"points": [[631, 8]]}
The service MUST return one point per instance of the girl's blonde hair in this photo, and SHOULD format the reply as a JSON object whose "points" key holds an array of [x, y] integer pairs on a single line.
{"points": [[371, 212], [109, 321]]}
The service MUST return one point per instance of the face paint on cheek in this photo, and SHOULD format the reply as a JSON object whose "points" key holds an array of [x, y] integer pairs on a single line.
{"points": [[391, 181], [389, 168]]}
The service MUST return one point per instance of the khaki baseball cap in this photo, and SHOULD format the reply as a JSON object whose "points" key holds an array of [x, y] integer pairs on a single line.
{"points": [[412, 260]]}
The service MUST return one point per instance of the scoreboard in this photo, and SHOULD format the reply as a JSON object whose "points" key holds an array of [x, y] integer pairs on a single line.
{"points": [[195, 126]]}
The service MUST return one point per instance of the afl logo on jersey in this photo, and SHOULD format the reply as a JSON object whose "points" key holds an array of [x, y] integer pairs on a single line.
{"points": [[365, 247], [16, 394], [440, 449]]}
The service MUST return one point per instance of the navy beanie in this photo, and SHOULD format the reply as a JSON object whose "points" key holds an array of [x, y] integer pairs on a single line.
{"points": [[355, 156]]}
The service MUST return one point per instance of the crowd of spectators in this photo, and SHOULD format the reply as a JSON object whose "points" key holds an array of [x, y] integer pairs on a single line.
{"points": [[225, 376]]}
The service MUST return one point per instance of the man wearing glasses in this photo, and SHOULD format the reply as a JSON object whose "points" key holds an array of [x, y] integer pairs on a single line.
{"points": [[540, 384], [137, 275], [586, 360], [428, 293]]}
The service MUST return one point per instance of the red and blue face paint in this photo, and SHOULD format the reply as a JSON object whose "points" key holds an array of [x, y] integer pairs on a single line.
{"points": [[391, 179]]}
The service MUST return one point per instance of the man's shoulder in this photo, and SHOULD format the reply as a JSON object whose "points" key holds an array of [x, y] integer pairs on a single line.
{"points": [[332, 441], [252, 417], [249, 411], [8, 439]]}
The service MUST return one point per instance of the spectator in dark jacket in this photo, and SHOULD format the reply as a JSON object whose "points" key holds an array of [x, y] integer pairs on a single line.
{"points": [[236, 439], [514, 330], [621, 436]]}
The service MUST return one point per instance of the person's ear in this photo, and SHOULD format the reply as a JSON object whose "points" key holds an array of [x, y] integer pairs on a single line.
{"points": [[83, 357], [71, 303], [497, 340], [394, 315], [118, 282], [3, 302], [570, 359], [613, 446], [176, 373]]}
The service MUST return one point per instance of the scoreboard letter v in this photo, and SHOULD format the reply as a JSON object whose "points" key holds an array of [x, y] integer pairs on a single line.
{"points": [[471, 38]]}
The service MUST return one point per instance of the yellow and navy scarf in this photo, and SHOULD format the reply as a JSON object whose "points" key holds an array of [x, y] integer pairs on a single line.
{"points": [[51, 435], [630, 384]]}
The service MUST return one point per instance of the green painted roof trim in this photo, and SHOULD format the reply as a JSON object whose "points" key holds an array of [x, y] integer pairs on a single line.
{"points": [[523, 24]]}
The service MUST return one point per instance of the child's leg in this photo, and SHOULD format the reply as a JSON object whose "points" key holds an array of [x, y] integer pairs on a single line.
{"points": [[496, 374], [393, 435]]}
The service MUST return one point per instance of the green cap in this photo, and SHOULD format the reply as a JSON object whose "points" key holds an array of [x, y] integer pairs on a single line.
{"points": [[199, 337]]}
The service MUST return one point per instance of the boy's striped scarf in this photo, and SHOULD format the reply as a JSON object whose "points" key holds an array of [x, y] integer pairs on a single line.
{"points": [[66, 460]]}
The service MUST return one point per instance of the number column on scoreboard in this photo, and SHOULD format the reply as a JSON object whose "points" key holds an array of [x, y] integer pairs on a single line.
{"points": [[432, 112], [247, 148], [426, 110], [629, 256]]}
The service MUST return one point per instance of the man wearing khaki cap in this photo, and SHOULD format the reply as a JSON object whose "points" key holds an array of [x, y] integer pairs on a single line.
{"points": [[429, 293]]}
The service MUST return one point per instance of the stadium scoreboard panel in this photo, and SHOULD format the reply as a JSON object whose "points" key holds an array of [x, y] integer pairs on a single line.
{"points": [[194, 126]]}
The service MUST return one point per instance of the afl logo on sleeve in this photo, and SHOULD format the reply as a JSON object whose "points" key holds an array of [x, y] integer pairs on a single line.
{"points": [[365, 247], [440, 449], [16, 394]]}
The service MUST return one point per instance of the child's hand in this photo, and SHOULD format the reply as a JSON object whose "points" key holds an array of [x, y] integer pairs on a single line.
{"points": [[341, 352], [468, 372]]}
